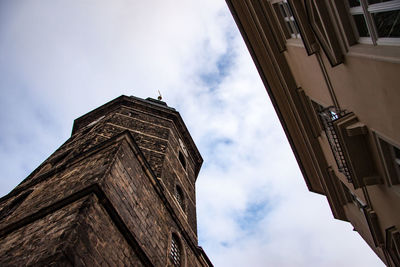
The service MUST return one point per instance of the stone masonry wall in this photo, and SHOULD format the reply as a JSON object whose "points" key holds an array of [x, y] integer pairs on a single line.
{"points": [[142, 209], [61, 184], [40, 240], [95, 241]]}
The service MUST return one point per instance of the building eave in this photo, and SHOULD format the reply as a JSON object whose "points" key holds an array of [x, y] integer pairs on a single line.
{"points": [[274, 101]]}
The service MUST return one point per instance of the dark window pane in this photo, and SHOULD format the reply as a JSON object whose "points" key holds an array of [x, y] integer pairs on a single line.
{"points": [[182, 160], [289, 10], [371, 2], [396, 152], [387, 23], [289, 25], [283, 11], [281, 20], [396, 156], [179, 196], [361, 25], [296, 27], [354, 3]]}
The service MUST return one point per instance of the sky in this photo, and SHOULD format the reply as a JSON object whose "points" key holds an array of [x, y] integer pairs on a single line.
{"points": [[59, 59]]}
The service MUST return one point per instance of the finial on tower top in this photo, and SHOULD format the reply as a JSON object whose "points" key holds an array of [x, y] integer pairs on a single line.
{"points": [[159, 95]]}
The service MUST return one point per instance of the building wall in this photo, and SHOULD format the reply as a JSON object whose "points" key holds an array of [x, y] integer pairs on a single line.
{"points": [[322, 63], [108, 194]]}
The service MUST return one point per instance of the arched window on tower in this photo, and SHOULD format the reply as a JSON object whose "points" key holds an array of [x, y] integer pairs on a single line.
{"points": [[180, 197], [182, 160], [176, 251]]}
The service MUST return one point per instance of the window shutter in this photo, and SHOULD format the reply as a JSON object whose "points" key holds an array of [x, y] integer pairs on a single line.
{"points": [[310, 113], [334, 193], [374, 226], [324, 29], [306, 33], [393, 244], [275, 25]]}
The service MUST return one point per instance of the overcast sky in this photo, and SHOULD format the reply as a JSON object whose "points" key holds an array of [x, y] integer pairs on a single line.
{"points": [[62, 58]]}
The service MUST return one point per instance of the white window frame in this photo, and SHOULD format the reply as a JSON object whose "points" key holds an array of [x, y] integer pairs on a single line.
{"points": [[367, 10]]}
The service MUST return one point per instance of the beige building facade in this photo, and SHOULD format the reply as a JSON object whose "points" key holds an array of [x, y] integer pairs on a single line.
{"points": [[332, 70]]}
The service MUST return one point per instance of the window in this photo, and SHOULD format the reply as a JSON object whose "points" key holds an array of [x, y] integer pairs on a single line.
{"points": [[307, 35], [175, 252], [183, 147], [393, 244], [179, 197], [321, 18], [376, 21], [286, 19], [182, 160], [391, 160]]}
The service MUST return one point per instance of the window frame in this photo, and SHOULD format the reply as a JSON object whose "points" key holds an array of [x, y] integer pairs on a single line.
{"points": [[391, 164], [289, 24], [393, 244], [180, 197], [182, 160], [326, 29], [176, 245], [367, 10]]}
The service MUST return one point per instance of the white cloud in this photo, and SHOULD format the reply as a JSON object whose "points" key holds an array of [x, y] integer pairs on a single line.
{"points": [[59, 59]]}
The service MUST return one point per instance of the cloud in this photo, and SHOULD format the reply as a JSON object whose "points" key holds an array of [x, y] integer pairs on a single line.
{"points": [[60, 59]]}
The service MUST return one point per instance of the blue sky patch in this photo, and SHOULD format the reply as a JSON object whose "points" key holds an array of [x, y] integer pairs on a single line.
{"points": [[253, 214]]}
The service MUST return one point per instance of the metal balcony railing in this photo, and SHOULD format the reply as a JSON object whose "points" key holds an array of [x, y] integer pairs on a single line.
{"points": [[328, 116]]}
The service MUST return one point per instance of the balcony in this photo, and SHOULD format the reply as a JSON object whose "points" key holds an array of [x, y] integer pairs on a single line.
{"points": [[328, 116]]}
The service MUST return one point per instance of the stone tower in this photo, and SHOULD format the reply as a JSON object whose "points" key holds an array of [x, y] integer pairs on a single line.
{"points": [[119, 192]]}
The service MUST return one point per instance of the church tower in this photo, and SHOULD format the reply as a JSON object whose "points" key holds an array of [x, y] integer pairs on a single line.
{"points": [[119, 192]]}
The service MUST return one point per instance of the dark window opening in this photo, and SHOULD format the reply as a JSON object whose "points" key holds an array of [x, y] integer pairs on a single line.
{"points": [[179, 196], [376, 1], [396, 155], [361, 25], [182, 160], [175, 253], [354, 3], [393, 244], [387, 23]]}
